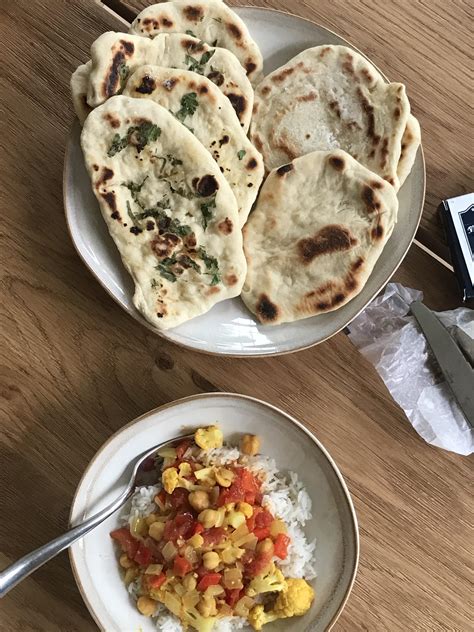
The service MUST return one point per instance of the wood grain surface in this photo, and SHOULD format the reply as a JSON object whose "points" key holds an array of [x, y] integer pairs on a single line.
{"points": [[74, 368], [423, 44]]}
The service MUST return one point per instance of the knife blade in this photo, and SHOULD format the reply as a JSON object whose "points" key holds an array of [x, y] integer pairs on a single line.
{"points": [[456, 369]]}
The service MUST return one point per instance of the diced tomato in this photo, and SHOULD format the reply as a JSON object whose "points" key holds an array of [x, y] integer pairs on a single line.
{"points": [[263, 519], [182, 447], [262, 533], [232, 596], [198, 528], [143, 555], [181, 526], [281, 546], [244, 488], [201, 571], [258, 564], [161, 497], [179, 499], [247, 481], [128, 543], [213, 536], [247, 557], [181, 566], [156, 581], [211, 579]]}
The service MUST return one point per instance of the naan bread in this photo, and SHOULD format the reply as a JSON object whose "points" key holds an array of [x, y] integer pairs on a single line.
{"points": [[116, 55], [79, 87], [411, 140], [168, 208], [209, 20], [201, 106], [330, 97], [319, 226]]}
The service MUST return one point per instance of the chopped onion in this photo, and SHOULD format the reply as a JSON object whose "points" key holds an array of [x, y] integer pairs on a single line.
{"points": [[167, 453], [173, 603], [243, 606], [169, 551], [240, 532], [233, 579], [214, 591], [191, 599], [154, 569]]}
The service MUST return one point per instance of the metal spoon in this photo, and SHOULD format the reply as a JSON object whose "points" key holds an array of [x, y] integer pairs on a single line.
{"points": [[18, 571]]}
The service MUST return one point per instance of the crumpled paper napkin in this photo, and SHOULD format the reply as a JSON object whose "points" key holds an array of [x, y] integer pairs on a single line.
{"points": [[390, 338]]}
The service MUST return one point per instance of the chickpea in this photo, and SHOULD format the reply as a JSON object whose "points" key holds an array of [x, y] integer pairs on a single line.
{"points": [[265, 546], [224, 477], [210, 560], [156, 530], [245, 508], [208, 518], [199, 500], [250, 444], [207, 606], [146, 606], [189, 582], [125, 561]]}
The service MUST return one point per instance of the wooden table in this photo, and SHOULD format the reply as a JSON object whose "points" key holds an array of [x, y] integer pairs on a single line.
{"points": [[75, 368]]}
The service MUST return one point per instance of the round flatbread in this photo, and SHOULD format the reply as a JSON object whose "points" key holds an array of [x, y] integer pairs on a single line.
{"points": [[199, 104], [411, 140], [318, 228], [79, 86], [116, 55], [330, 97], [209, 20], [168, 208]]}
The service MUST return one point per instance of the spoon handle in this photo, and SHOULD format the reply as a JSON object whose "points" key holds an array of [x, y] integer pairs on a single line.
{"points": [[19, 570]]}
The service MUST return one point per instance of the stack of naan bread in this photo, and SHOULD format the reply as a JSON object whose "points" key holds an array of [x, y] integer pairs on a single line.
{"points": [[166, 110]]}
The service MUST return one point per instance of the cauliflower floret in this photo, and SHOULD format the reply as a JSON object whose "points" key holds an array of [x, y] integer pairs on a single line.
{"points": [[293, 601], [273, 581], [170, 479], [296, 600], [258, 617], [209, 438], [195, 619]]}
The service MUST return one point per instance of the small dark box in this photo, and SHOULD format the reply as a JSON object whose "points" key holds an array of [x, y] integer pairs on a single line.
{"points": [[458, 218]]}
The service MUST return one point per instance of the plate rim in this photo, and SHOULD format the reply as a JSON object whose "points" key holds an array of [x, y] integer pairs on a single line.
{"points": [[355, 532], [229, 354]]}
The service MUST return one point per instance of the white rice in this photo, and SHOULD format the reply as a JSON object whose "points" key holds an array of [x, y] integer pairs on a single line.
{"points": [[284, 495]]}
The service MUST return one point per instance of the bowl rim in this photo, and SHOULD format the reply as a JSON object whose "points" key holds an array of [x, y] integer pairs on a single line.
{"points": [[239, 397], [267, 354]]}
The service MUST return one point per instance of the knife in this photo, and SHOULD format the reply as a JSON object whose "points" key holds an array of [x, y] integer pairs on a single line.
{"points": [[456, 369]]}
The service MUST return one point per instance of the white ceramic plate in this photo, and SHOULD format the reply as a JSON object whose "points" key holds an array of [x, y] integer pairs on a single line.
{"points": [[229, 329], [334, 524]]}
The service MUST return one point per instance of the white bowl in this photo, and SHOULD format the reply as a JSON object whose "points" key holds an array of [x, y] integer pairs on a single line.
{"points": [[334, 524], [229, 328]]}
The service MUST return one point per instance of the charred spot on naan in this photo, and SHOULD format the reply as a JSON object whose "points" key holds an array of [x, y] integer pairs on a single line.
{"points": [[193, 13], [329, 240], [111, 201], [164, 245], [337, 162], [203, 89], [112, 79], [169, 84], [334, 107], [324, 51], [234, 30], [231, 279], [283, 74], [216, 77], [206, 186], [226, 226], [307, 98], [368, 109], [250, 66], [348, 64], [377, 232], [192, 46], [149, 25], [267, 311], [284, 169], [146, 86], [372, 203], [252, 164], [239, 103]]}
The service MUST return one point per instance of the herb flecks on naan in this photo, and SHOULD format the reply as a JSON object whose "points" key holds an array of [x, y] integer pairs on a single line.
{"points": [[318, 229], [330, 97], [199, 105], [168, 208], [209, 20], [115, 56]]}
